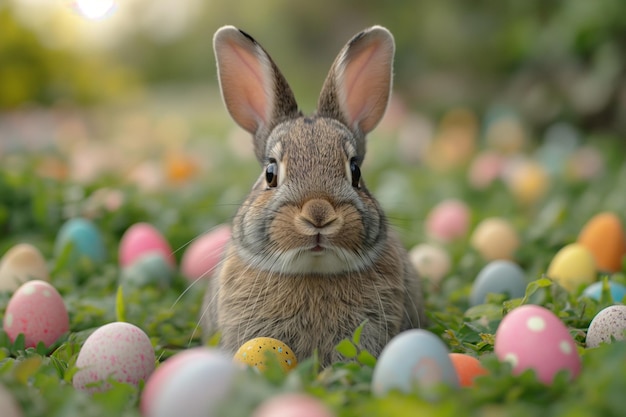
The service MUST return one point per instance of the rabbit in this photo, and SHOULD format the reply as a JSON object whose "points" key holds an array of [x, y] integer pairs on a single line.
{"points": [[311, 256]]}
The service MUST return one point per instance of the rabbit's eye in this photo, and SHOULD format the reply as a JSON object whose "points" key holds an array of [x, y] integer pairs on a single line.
{"points": [[271, 174], [356, 173]]}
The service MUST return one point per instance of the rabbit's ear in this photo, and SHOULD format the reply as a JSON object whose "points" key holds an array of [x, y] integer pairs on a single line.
{"points": [[255, 92], [358, 85]]}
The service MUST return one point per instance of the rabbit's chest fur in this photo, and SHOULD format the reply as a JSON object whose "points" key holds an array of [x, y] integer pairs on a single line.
{"points": [[310, 312]]}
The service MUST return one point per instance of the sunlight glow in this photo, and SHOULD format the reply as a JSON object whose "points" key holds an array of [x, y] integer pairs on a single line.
{"points": [[95, 9]]}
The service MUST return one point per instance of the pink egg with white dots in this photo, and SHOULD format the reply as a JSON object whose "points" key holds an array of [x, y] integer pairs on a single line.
{"points": [[448, 221], [37, 310], [140, 239], [532, 337], [118, 351]]}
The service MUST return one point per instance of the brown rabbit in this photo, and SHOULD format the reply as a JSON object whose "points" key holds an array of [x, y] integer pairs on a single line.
{"points": [[311, 255]]}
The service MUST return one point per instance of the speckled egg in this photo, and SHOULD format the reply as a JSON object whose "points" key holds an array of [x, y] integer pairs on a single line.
{"points": [[572, 266], [204, 254], [532, 337], [37, 310], [413, 359], [149, 269], [22, 263], [292, 405], [448, 220], [467, 368], [85, 239], [430, 261], [8, 404], [120, 351], [607, 324], [617, 290], [191, 383], [498, 277], [142, 238], [495, 238], [254, 351], [603, 236]]}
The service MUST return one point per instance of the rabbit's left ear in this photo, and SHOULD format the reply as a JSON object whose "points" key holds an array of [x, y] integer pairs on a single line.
{"points": [[358, 85]]}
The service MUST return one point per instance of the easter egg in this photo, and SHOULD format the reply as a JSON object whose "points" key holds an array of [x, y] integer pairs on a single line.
{"points": [[430, 261], [204, 254], [37, 310], [192, 383], [572, 266], [292, 405], [254, 353], [532, 337], [85, 240], [149, 269], [21, 263], [617, 290], [498, 277], [485, 169], [528, 182], [119, 351], [467, 368], [495, 238], [603, 236], [448, 220], [142, 238], [8, 404], [609, 323], [413, 359]]}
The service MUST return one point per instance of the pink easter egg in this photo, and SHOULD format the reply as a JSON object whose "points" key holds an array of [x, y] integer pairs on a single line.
{"points": [[118, 350], [204, 253], [532, 337], [37, 310], [485, 169], [292, 405], [448, 220], [142, 238]]}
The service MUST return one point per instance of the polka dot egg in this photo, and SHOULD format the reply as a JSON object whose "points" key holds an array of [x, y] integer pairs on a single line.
{"points": [[532, 337], [118, 351], [255, 353], [37, 310]]}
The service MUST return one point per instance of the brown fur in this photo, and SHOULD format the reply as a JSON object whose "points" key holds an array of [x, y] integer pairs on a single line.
{"points": [[312, 258]]}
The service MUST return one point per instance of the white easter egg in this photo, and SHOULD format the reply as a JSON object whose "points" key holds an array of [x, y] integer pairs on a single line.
{"points": [[292, 405], [413, 359], [495, 238], [22, 263], [608, 324], [120, 351], [430, 261], [8, 404], [191, 383]]}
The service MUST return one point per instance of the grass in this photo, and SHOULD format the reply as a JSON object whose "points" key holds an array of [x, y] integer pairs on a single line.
{"points": [[33, 207]]}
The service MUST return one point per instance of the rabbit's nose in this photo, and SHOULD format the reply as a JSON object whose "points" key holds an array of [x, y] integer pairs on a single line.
{"points": [[318, 216]]}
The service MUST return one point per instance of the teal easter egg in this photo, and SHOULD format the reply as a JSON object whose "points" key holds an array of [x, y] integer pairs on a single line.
{"points": [[414, 359], [617, 290], [84, 240], [149, 269], [498, 277]]}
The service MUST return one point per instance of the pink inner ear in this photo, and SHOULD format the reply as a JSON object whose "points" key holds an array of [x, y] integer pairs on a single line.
{"points": [[244, 77], [366, 79]]}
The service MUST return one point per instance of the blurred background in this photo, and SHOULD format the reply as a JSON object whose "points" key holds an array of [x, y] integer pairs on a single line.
{"points": [[95, 93]]}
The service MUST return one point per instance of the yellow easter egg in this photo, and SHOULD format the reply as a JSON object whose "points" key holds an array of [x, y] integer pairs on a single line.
{"points": [[572, 266], [604, 236], [495, 238], [254, 353], [529, 182]]}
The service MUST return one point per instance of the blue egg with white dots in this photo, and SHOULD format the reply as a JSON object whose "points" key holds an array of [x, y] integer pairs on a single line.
{"points": [[498, 277], [82, 239], [617, 290]]}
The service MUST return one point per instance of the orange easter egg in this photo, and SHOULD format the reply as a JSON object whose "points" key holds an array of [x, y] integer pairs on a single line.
{"points": [[467, 368], [604, 236]]}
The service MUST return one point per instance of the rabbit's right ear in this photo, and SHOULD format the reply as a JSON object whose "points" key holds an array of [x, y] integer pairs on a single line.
{"points": [[254, 91]]}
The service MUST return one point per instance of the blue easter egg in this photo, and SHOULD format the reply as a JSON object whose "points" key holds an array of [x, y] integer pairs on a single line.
{"points": [[149, 269], [85, 239], [413, 359], [498, 277], [618, 291]]}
